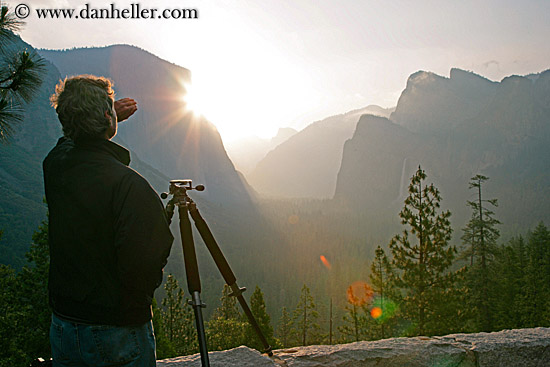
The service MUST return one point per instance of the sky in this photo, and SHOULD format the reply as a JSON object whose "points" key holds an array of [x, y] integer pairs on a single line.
{"points": [[258, 65]]}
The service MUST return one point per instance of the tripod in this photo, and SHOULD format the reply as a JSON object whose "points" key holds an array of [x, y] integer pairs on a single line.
{"points": [[186, 206]]}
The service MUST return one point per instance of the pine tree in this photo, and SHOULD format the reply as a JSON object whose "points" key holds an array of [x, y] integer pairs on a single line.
{"points": [[480, 236], [177, 319], [20, 75], [354, 322], [511, 266], [536, 305], [257, 306], [11, 353], [423, 264], [24, 311], [284, 329], [33, 290], [226, 328], [305, 326], [384, 307], [164, 347]]}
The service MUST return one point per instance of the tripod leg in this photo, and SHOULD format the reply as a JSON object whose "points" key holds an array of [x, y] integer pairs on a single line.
{"points": [[193, 280], [251, 319], [189, 255], [226, 271], [199, 323]]}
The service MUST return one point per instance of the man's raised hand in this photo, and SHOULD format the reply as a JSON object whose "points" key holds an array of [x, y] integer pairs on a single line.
{"points": [[125, 108]]}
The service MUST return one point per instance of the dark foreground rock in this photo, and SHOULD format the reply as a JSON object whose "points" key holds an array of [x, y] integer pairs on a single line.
{"points": [[508, 348]]}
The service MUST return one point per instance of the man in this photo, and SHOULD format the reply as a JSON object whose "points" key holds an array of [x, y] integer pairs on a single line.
{"points": [[108, 232]]}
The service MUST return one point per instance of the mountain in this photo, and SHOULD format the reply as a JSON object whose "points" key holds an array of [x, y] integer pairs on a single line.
{"points": [[456, 128], [306, 165], [162, 133], [434, 104], [245, 153]]}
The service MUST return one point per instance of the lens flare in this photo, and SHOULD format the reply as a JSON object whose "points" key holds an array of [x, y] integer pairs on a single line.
{"points": [[376, 312], [359, 293], [325, 262], [383, 308]]}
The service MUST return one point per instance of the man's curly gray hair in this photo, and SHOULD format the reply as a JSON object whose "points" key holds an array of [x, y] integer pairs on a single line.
{"points": [[81, 102]]}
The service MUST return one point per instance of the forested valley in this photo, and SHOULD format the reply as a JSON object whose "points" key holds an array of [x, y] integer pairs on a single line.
{"points": [[423, 280]]}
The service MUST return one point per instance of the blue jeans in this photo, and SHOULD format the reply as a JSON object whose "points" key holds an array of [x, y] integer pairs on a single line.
{"points": [[75, 344]]}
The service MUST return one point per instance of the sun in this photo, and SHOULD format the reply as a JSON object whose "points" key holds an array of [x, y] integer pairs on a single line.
{"points": [[252, 95], [193, 102]]}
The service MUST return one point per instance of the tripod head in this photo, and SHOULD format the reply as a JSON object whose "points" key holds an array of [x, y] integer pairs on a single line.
{"points": [[180, 187]]}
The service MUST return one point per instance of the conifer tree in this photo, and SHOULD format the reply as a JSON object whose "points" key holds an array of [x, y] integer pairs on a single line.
{"points": [[11, 353], [382, 279], [284, 329], [511, 266], [480, 236], [20, 74], [354, 322], [422, 257], [164, 347], [305, 325], [178, 318], [226, 328], [257, 306], [33, 294], [24, 311], [537, 298]]}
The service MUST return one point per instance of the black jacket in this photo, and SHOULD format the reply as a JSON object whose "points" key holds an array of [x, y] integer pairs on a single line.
{"points": [[108, 232]]}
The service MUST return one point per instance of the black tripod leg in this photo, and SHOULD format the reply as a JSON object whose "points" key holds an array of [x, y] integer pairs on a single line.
{"points": [[226, 271], [193, 280], [251, 319]]}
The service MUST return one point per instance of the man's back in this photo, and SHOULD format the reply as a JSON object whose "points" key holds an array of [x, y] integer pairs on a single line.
{"points": [[109, 237]]}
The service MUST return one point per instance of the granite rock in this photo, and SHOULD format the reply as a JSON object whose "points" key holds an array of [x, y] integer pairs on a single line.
{"points": [[507, 348]]}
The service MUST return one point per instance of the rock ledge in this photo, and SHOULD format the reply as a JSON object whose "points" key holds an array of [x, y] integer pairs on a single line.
{"points": [[507, 348]]}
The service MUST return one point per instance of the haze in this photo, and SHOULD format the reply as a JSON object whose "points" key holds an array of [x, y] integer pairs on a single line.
{"points": [[261, 65]]}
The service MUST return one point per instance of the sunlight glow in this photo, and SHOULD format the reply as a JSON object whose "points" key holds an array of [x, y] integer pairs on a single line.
{"points": [[194, 101], [245, 91]]}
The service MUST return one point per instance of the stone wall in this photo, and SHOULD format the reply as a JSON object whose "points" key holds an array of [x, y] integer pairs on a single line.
{"points": [[508, 348]]}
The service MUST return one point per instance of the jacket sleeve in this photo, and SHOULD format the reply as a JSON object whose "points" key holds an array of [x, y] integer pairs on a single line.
{"points": [[142, 237]]}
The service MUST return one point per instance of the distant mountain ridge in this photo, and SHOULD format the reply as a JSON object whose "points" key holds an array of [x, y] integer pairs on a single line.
{"points": [[245, 153], [436, 103], [455, 128], [306, 165]]}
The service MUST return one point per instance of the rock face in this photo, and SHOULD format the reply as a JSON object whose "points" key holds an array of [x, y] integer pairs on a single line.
{"points": [[306, 165], [456, 128], [508, 348]]}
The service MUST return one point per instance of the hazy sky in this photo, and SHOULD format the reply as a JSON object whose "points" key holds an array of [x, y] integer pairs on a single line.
{"points": [[261, 64]]}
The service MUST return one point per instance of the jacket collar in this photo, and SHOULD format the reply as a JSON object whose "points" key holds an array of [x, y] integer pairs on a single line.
{"points": [[119, 152]]}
